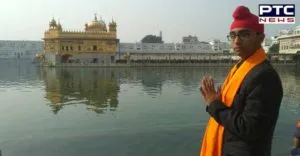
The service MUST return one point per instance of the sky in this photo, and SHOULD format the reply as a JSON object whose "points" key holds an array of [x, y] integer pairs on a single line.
{"points": [[206, 19]]}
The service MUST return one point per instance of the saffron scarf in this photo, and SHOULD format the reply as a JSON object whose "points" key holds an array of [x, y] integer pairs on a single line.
{"points": [[213, 136]]}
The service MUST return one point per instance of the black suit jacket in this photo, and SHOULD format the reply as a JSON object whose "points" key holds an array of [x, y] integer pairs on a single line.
{"points": [[249, 124]]}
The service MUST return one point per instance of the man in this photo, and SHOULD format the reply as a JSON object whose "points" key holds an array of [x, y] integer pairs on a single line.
{"points": [[296, 149], [244, 111]]}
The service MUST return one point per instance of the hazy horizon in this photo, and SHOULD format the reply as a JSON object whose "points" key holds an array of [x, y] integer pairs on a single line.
{"points": [[28, 20]]}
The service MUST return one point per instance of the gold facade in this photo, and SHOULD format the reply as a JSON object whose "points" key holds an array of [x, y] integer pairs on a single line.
{"points": [[96, 39]]}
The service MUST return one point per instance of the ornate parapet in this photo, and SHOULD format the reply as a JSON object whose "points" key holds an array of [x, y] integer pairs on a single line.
{"points": [[80, 35]]}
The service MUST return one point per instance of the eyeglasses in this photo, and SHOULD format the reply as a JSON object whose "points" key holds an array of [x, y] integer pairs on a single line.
{"points": [[243, 34]]}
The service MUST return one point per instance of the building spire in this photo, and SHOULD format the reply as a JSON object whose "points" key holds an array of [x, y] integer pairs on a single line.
{"points": [[95, 16]]}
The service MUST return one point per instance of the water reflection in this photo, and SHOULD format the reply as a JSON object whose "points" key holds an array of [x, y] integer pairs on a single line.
{"points": [[96, 88], [16, 71], [104, 90], [153, 79], [291, 85]]}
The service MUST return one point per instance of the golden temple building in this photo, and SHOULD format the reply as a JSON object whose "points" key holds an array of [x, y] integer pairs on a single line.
{"points": [[97, 44]]}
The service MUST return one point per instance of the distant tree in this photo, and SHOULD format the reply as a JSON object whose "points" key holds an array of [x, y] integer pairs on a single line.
{"points": [[274, 48], [152, 39]]}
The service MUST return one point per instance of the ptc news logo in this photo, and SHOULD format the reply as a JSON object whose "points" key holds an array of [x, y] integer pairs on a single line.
{"points": [[276, 13]]}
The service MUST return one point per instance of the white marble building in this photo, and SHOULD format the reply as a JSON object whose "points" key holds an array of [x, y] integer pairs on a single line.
{"points": [[218, 46], [19, 49], [289, 41], [214, 46], [189, 44]]}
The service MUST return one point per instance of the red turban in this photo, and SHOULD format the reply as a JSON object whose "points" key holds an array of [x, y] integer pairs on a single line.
{"points": [[243, 18]]}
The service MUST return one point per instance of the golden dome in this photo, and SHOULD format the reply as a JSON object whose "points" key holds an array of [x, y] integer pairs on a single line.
{"points": [[96, 25], [96, 22]]}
